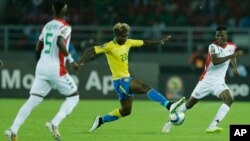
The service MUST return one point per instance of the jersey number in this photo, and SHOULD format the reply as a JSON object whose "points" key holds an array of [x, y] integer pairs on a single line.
{"points": [[124, 57], [48, 43]]}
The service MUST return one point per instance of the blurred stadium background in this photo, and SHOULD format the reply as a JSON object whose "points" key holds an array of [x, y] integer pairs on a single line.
{"points": [[192, 24]]}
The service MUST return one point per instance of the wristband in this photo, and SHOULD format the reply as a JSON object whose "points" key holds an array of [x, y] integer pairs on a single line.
{"points": [[69, 58]]}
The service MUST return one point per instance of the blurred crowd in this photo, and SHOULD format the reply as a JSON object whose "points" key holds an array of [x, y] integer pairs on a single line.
{"points": [[135, 12]]}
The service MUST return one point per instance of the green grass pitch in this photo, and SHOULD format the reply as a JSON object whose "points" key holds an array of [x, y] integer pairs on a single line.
{"points": [[144, 124]]}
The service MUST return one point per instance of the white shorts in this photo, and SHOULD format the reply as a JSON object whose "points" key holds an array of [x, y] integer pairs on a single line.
{"points": [[65, 85], [204, 88]]}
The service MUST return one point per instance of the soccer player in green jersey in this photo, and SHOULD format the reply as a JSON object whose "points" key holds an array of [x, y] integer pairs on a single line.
{"points": [[125, 86]]}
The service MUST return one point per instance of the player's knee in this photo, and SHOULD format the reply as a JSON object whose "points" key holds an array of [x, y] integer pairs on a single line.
{"points": [[145, 88], [229, 100]]}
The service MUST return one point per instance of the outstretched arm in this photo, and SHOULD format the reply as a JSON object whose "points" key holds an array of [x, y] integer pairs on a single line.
{"points": [[157, 42], [234, 64], [86, 56], [218, 60]]}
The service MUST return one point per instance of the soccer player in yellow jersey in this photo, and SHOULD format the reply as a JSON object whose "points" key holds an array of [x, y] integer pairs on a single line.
{"points": [[125, 86]]}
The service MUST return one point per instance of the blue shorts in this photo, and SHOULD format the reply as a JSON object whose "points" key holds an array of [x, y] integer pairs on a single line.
{"points": [[121, 87]]}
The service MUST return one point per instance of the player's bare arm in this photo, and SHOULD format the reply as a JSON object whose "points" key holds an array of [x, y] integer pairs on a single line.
{"points": [[89, 54], [62, 47], [234, 64], [163, 41], [218, 60]]}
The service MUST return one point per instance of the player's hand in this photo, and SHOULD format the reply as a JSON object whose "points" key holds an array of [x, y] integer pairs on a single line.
{"points": [[165, 39], [74, 66], [235, 72], [80, 64], [238, 53], [1, 64]]}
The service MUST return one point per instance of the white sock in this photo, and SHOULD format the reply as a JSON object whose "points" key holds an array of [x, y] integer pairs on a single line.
{"points": [[182, 108], [66, 108], [223, 110], [24, 112]]}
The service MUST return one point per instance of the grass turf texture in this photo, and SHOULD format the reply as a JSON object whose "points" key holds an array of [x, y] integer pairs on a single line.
{"points": [[144, 124]]}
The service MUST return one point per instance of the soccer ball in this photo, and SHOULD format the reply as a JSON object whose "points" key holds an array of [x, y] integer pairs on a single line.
{"points": [[177, 118]]}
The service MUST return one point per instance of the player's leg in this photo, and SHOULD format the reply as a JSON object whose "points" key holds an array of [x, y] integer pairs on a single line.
{"points": [[24, 111], [66, 86], [125, 110], [66, 108], [40, 88], [126, 99], [22, 115], [138, 87], [201, 90], [227, 99], [188, 105], [182, 108]]}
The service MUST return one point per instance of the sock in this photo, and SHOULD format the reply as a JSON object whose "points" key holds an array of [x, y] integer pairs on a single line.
{"points": [[223, 110], [66, 108], [169, 105], [112, 116], [24, 112], [182, 108], [157, 97]]}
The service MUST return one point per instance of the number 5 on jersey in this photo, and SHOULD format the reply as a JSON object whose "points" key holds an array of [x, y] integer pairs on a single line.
{"points": [[48, 43]]}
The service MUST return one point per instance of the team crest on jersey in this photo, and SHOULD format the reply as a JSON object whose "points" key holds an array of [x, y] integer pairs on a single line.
{"points": [[212, 49]]}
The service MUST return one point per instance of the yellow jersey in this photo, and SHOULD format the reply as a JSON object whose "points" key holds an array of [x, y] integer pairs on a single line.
{"points": [[117, 56]]}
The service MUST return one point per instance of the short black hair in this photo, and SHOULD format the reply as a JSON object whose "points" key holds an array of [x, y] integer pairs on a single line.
{"points": [[58, 6], [221, 27]]}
